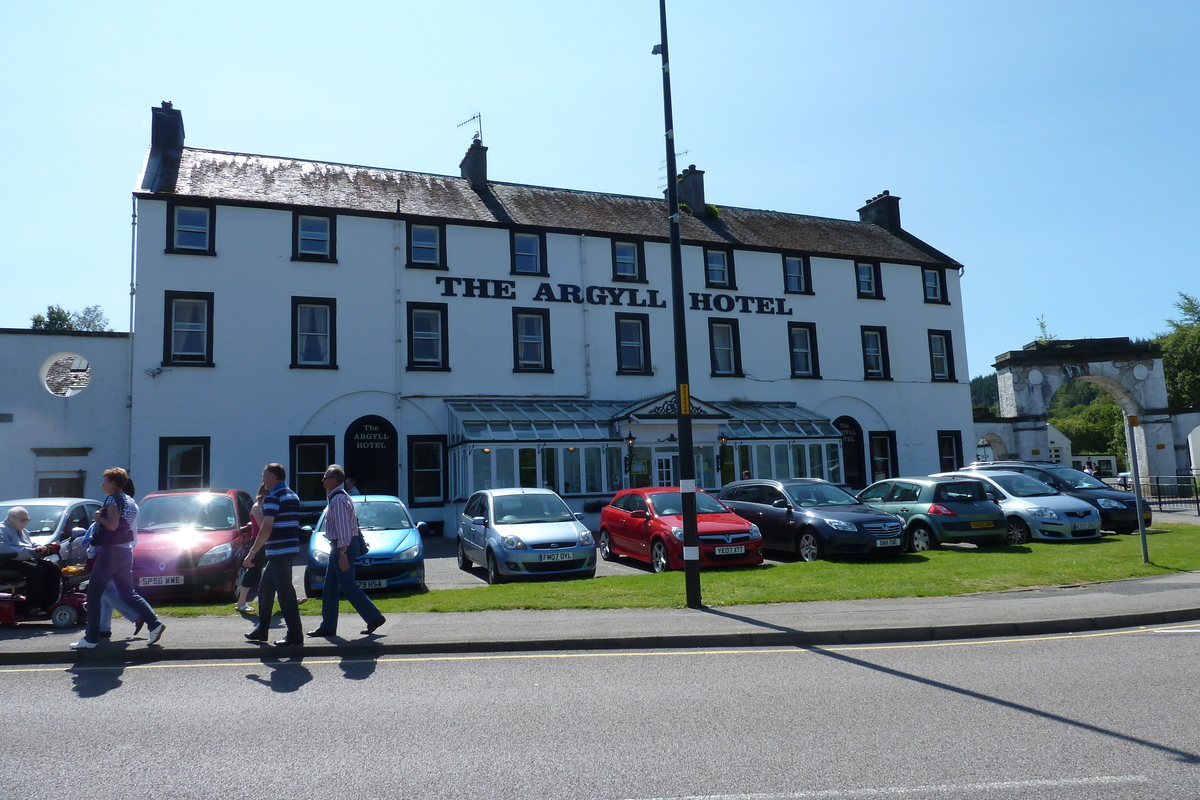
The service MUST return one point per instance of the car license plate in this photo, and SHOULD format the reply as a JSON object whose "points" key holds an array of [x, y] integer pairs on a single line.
{"points": [[732, 550], [887, 542], [983, 523], [161, 580], [375, 584], [556, 556], [1082, 526]]}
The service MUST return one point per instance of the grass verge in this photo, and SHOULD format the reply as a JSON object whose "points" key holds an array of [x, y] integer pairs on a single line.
{"points": [[949, 571]]}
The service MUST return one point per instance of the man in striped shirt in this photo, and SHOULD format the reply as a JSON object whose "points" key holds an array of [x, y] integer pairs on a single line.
{"points": [[341, 529], [280, 536]]}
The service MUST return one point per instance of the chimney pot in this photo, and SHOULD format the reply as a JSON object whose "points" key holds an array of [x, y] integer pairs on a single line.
{"points": [[166, 127], [691, 189], [473, 167], [883, 210]]}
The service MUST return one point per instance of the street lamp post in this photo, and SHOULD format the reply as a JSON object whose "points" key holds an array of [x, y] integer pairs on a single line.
{"points": [[687, 462]]}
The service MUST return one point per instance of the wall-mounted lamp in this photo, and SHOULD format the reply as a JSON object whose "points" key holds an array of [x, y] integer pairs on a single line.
{"points": [[629, 440], [722, 440]]}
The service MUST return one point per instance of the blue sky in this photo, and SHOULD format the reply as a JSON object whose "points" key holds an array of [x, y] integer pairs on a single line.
{"points": [[1051, 146]]}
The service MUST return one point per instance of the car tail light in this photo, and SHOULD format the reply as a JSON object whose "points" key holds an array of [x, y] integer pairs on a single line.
{"points": [[940, 510]]}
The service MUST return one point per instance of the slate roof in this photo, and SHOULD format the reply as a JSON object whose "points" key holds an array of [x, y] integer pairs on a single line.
{"points": [[253, 179]]}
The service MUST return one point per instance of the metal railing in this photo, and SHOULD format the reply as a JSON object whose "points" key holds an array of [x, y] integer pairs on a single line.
{"points": [[1170, 492]]}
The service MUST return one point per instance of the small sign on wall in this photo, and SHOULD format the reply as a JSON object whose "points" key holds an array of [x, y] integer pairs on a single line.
{"points": [[1036, 452]]}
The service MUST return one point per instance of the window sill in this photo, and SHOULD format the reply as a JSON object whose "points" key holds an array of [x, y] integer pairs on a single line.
{"points": [[629, 372], [929, 302], [806, 377], [423, 368], [871, 297], [172, 251], [313, 366], [187, 364], [544, 371], [877, 377], [315, 259], [426, 265], [810, 293]]}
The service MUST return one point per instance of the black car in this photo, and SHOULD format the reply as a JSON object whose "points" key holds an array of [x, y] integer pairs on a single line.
{"points": [[811, 517], [1118, 509]]}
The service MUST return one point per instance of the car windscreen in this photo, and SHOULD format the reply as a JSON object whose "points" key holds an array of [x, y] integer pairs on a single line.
{"points": [[206, 512], [1077, 479], [670, 504], [387, 515], [1023, 486], [959, 492], [522, 509], [820, 494], [42, 519]]}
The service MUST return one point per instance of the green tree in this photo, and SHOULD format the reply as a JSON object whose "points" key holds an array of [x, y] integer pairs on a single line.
{"points": [[58, 318], [1181, 354], [984, 393]]}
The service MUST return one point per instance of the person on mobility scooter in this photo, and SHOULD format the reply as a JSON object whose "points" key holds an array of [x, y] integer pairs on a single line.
{"points": [[43, 578]]}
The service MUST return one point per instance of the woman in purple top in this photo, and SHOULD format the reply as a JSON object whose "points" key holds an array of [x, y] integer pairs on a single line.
{"points": [[116, 521]]}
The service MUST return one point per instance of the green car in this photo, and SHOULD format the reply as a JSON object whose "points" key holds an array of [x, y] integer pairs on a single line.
{"points": [[939, 510]]}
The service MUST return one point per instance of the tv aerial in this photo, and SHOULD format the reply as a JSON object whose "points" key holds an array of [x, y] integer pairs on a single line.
{"points": [[476, 118]]}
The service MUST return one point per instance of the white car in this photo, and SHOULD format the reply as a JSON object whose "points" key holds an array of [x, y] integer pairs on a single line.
{"points": [[1035, 510], [522, 533]]}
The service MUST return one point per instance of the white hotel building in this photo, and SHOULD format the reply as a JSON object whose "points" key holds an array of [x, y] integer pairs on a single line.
{"points": [[440, 334]]}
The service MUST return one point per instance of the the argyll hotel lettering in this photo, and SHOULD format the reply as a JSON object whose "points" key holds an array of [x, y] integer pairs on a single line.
{"points": [[370, 438], [609, 296]]}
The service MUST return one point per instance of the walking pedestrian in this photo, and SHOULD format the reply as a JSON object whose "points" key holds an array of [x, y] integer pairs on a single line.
{"points": [[279, 537], [253, 576], [114, 561], [345, 544]]}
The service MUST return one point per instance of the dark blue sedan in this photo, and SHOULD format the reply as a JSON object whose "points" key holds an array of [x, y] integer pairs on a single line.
{"points": [[396, 557]]}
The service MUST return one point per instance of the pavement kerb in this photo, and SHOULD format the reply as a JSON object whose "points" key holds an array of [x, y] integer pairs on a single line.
{"points": [[108, 657]]}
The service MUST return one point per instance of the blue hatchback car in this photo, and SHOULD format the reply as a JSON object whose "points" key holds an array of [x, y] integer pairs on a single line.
{"points": [[396, 556]]}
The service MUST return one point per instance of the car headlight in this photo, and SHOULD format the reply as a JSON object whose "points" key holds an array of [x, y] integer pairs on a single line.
{"points": [[221, 552], [585, 539], [1106, 502], [677, 533], [321, 557], [511, 542], [841, 525], [755, 533], [408, 554], [1044, 513]]}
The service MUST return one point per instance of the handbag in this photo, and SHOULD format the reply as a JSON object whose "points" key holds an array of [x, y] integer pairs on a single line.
{"points": [[363, 547]]}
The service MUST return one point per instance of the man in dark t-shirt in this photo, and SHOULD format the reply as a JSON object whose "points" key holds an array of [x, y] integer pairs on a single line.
{"points": [[280, 536]]}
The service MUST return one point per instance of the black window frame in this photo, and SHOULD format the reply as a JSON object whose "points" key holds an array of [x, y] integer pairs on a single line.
{"points": [[805, 274], [730, 274], [211, 208], [950, 374], [543, 314], [737, 347], [639, 255], [331, 304], [893, 457], [441, 263], [955, 437], [542, 272], [297, 255], [941, 282], [443, 311], [169, 298], [814, 357], [876, 278], [884, 355], [164, 445], [643, 321], [411, 443], [294, 442]]}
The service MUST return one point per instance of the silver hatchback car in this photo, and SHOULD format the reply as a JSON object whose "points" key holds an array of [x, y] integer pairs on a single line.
{"points": [[1037, 511], [523, 533]]}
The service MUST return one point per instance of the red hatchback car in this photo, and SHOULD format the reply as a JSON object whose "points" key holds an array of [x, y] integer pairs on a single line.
{"points": [[646, 524], [191, 542]]}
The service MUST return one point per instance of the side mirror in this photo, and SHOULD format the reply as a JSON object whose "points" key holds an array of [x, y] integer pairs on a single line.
{"points": [[579, 516], [479, 521], [307, 529], [781, 503], [639, 514], [77, 533], [422, 528]]}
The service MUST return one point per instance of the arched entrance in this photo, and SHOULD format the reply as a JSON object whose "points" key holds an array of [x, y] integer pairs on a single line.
{"points": [[372, 454], [1132, 373]]}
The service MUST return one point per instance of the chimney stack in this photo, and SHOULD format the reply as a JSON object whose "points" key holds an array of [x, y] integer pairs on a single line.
{"points": [[473, 167], [691, 189], [882, 210], [166, 128]]}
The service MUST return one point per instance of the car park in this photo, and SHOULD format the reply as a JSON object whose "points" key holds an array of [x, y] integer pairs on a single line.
{"points": [[1118, 509], [813, 518], [524, 533], [647, 524], [191, 542], [939, 510], [56, 520], [1036, 511], [395, 558]]}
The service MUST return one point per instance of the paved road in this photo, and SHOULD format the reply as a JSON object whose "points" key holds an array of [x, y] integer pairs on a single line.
{"points": [[1070, 717]]}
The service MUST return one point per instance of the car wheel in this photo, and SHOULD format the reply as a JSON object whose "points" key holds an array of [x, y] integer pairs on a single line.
{"points": [[1125, 531], [463, 561], [65, 617], [606, 551], [493, 571], [921, 539], [808, 545], [659, 560], [1018, 532]]}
